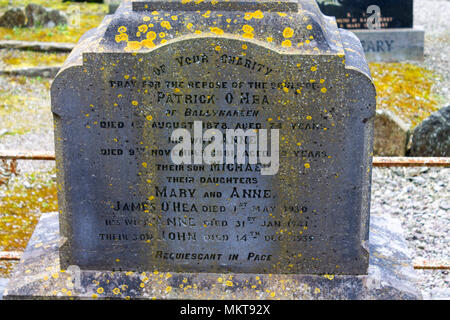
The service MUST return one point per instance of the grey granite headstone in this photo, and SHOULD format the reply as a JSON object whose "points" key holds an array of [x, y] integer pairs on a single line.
{"points": [[156, 66]]}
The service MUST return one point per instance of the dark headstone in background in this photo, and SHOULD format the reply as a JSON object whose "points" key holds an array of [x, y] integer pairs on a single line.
{"points": [[352, 14], [394, 41], [38, 16], [14, 17]]}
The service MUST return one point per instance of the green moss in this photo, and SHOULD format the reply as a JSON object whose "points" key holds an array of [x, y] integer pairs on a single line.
{"points": [[20, 208], [21, 59]]}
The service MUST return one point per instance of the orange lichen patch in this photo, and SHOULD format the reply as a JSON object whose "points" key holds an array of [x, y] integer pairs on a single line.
{"points": [[288, 32], [133, 46], [147, 43], [248, 31], [151, 35], [166, 24], [20, 209], [121, 37], [258, 14], [405, 89], [143, 28], [286, 43], [247, 28], [216, 30]]}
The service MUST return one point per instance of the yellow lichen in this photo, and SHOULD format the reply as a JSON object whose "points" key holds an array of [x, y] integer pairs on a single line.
{"points": [[288, 32], [286, 43], [216, 30], [406, 90]]}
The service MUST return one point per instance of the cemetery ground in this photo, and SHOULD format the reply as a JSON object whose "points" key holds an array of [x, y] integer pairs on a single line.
{"points": [[419, 197]]}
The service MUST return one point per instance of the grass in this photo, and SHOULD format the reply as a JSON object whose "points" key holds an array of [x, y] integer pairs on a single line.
{"points": [[20, 59], [20, 208], [23, 107], [82, 17]]}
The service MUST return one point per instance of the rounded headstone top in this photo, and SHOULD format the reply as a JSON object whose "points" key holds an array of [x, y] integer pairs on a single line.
{"points": [[288, 26]]}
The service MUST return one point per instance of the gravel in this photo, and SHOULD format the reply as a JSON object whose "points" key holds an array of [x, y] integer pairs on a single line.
{"points": [[433, 15], [420, 198]]}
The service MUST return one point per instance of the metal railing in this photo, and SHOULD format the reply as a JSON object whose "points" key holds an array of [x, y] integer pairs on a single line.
{"points": [[377, 162]]}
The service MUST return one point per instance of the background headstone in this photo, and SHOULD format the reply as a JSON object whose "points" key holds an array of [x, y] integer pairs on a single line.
{"points": [[394, 39], [40, 16], [352, 14], [431, 138], [391, 135], [14, 17], [112, 5]]}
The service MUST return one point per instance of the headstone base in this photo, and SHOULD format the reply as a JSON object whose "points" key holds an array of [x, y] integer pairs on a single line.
{"points": [[38, 276], [391, 45]]}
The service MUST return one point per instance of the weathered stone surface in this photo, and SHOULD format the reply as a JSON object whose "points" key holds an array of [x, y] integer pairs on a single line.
{"points": [[431, 138], [14, 17], [40, 16], [391, 45], [351, 14], [39, 276], [391, 135], [251, 65]]}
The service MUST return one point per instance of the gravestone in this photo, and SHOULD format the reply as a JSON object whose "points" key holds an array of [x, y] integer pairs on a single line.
{"points": [[130, 206], [139, 218], [352, 14], [112, 5], [394, 39]]}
